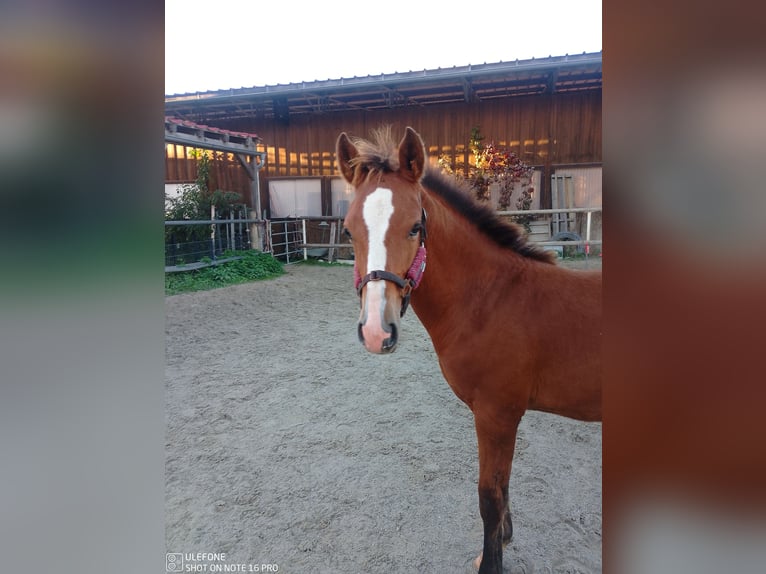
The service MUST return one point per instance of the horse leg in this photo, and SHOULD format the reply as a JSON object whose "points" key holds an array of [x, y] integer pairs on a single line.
{"points": [[496, 446], [507, 523]]}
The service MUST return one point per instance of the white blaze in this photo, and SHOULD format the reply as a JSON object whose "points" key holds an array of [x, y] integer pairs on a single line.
{"points": [[376, 212]]}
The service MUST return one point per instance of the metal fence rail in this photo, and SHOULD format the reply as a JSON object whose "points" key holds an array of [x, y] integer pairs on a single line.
{"points": [[562, 231], [285, 238], [331, 245], [188, 242], [288, 239]]}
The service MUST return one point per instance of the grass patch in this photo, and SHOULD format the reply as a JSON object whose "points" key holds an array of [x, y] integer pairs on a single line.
{"points": [[252, 266], [320, 262], [571, 252]]}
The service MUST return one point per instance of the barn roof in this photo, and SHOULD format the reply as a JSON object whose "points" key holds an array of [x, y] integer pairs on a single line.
{"points": [[471, 83]]}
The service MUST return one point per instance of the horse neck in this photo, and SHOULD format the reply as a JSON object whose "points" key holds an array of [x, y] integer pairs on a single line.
{"points": [[462, 265]]}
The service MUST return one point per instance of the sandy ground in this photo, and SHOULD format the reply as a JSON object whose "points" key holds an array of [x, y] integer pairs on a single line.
{"points": [[291, 449]]}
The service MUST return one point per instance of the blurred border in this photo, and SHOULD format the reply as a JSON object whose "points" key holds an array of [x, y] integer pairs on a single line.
{"points": [[81, 312], [685, 270]]}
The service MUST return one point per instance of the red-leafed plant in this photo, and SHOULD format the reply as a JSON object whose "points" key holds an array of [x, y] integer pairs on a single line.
{"points": [[493, 164]]}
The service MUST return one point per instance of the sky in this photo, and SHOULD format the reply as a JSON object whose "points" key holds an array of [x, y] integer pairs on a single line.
{"points": [[238, 43]]}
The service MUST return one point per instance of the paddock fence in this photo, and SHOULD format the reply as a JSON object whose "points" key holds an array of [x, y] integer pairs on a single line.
{"points": [[296, 239], [193, 244], [574, 228], [557, 229]]}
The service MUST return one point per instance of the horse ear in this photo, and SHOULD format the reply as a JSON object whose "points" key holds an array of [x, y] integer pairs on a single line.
{"points": [[412, 155], [345, 152]]}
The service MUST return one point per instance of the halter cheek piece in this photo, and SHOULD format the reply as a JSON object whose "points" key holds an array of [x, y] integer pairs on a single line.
{"points": [[411, 279]]}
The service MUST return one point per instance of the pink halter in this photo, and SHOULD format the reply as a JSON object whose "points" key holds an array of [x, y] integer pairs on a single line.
{"points": [[414, 273], [411, 279]]}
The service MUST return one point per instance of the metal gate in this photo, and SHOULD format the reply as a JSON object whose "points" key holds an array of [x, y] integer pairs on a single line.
{"points": [[562, 197], [285, 239]]}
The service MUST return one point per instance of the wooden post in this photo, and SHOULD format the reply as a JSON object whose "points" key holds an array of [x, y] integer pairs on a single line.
{"points": [[212, 232], [287, 243], [256, 240], [331, 253], [230, 236]]}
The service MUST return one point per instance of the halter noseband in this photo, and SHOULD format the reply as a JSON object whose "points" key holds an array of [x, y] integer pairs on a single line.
{"points": [[411, 279]]}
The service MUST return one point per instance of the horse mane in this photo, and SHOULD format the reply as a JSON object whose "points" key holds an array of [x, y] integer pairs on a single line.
{"points": [[504, 233], [381, 154]]}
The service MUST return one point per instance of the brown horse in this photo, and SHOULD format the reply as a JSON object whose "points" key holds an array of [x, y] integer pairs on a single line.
{"points": [[512, 330]]}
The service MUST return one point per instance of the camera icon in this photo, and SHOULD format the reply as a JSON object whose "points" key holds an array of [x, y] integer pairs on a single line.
{"points": [[174, 562]]}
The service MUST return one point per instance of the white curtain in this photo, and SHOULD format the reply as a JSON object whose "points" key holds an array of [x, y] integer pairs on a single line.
{"points": [[295, 198]]}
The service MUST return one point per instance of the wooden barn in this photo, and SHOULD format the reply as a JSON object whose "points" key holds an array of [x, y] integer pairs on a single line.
{"points": [[546, 110]]}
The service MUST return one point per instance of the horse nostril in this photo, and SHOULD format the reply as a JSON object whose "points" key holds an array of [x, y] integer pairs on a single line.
{"points": [[359, 333], [390, 343]]}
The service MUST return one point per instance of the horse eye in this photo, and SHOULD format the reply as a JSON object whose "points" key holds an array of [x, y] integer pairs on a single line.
{"points": [[346, 232], [415, 229]]}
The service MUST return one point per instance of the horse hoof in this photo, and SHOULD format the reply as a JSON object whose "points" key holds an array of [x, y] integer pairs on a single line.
{"points": [[471, 566]]}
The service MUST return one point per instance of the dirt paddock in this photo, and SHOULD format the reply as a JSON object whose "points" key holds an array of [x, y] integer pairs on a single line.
{"points": [[290, 448]]}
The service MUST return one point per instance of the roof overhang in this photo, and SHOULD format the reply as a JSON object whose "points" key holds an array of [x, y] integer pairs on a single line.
{"points": [[472, 83]]}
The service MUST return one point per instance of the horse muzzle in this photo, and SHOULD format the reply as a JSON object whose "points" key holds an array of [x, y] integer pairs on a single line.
{"points": [[378, 327], [379, 341], [379, 321]]}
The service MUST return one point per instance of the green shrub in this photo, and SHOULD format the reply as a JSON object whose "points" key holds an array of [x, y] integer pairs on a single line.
{"points": [[251, 266]]}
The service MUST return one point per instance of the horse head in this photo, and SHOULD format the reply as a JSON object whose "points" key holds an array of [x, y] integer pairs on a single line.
{"points": [[386, 225]]}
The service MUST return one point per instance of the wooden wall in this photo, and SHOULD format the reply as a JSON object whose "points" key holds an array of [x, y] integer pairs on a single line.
{"points": [[226, 173], [544, 130]]}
